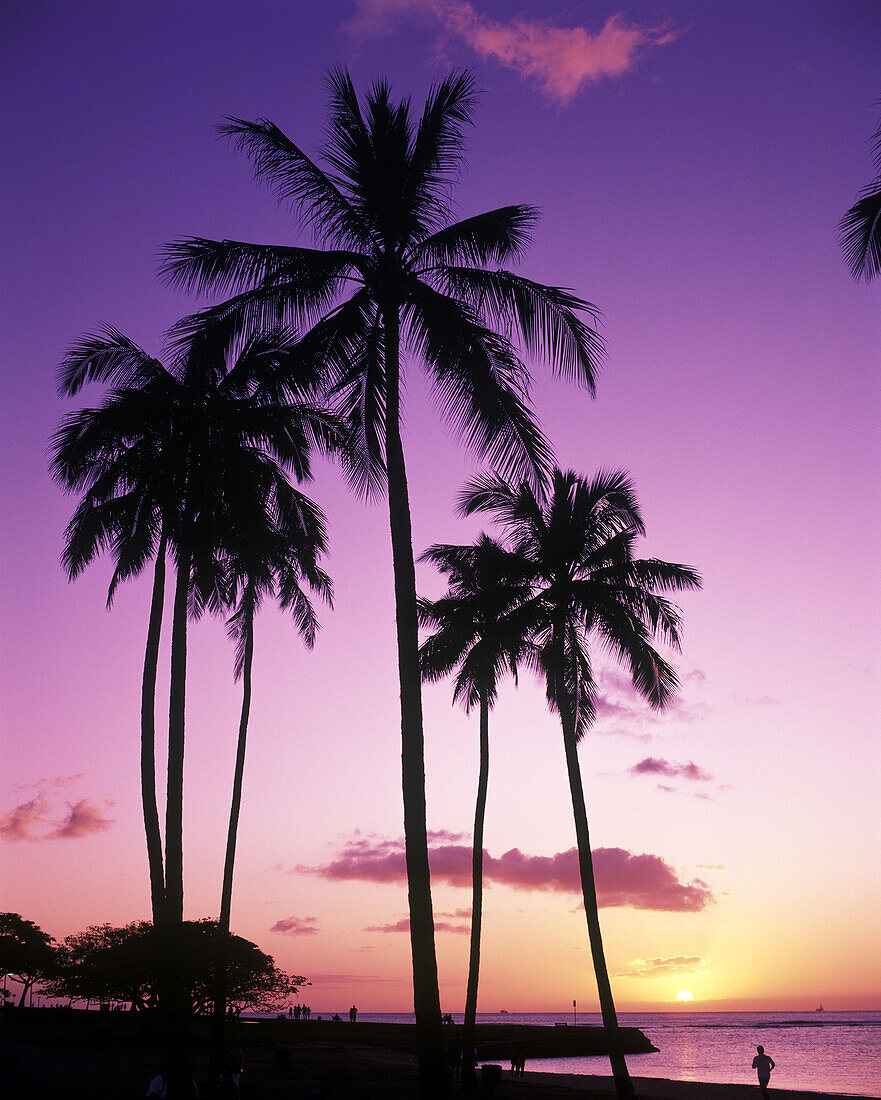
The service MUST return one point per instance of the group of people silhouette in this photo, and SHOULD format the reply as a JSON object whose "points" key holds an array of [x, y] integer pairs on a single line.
{"points": [[303, 1012]]}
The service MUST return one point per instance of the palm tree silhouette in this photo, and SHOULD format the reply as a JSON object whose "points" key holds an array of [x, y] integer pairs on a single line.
{"points": [[478, 630], [861, 226], [165, 461], [271, 550], [274, 562], [419, 283], [121, 456], [587, 584]]}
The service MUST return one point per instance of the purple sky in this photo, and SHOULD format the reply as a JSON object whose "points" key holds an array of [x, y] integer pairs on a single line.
{"points": [[691, 161]]}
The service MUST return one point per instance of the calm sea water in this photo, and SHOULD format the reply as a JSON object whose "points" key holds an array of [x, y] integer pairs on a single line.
{"points": [[837, 1052]]}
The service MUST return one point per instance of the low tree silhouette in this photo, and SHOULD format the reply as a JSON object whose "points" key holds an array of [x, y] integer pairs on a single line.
{"points": [[27, 953], [109, 963]]}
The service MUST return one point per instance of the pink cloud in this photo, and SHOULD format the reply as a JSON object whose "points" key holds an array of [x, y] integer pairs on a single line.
{"points": [[296, 926], [403, 925], [64, 780], [83, 818], [560, 60], [19, 822], [662, 968], [623, 879], [653, 765]]}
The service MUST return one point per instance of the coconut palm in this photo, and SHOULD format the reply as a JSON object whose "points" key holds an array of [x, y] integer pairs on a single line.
{"points": [[276, 562], [121, 456], [588, 587], [173, 472], [478, 631], [861, 226], [271, 550], [176, 470], [395, 280]]}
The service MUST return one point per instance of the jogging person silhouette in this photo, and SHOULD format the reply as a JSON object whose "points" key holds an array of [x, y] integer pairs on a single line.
{"points": [[763, 1064]]}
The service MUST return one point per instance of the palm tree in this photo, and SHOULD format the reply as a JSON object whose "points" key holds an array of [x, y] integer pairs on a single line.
{"points": [[587, 585], [477, 629], [861, 226], [220, 426], [271, 551], [417, 283], [120, 455]]}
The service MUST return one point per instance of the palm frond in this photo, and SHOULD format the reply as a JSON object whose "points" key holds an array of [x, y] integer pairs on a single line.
{"points": [[480, 384], [358, 398], [496, 236], [546, 318], [517, 509], [106, 356], [295, 179], [438, 148], [240, 627], [860, 230], [369, 152]]}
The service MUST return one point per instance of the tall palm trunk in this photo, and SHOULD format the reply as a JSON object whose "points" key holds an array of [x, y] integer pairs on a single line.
{"points": [[426, 996], [174, 851], [623, 1084], [236, 804], [174, 1000], [148, 738], [218, 1029], [469, 1077]]}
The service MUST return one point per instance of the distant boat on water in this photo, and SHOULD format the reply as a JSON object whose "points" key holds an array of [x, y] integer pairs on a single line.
{"points": [[820, 1009], [504, 1012]]}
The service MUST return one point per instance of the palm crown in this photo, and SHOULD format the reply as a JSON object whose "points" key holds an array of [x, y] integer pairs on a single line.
{"points": [[477, 624], [579, 545], [379, 207]]}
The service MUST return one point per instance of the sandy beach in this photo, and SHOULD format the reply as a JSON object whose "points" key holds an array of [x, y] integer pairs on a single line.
{"points": [[113, 1058]]}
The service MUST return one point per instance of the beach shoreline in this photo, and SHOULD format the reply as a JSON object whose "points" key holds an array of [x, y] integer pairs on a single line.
{"points": [[662, 1088], [115, 1056]]}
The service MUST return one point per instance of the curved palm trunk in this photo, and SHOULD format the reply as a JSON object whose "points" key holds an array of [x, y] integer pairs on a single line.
{"points": [[426, 996], [469, 1077], [218, 1028], [148, 738], [623, 1083]]}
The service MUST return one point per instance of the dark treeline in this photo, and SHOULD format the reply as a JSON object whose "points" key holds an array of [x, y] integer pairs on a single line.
{"points": [[106, 964]]}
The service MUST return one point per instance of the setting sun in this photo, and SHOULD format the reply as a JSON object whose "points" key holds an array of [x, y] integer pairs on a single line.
{"points": [[684, 995]]}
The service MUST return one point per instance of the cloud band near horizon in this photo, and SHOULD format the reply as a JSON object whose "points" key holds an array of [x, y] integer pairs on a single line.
{"points": [[31, 821], [624, 879]]}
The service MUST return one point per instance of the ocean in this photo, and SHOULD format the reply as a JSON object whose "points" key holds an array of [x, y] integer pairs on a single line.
{"points": [[837, 1052]]}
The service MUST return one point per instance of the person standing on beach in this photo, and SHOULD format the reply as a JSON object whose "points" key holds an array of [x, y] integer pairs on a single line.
{"points": [[763, 1064]]}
